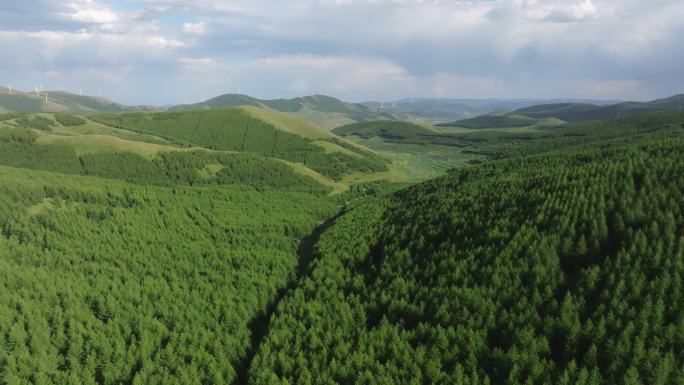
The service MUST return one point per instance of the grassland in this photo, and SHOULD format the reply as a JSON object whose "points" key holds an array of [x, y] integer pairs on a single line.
{"points": [[418, 161], [511, 123], [287, 123], [87, 137]]}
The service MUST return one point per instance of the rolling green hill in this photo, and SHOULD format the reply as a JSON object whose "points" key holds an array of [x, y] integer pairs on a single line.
{"points": [[203, 247], [492, 121], [384, 128], [573, 112], [60, 101], [324, 111], [562, 267], [243, 130], [119, 252]]}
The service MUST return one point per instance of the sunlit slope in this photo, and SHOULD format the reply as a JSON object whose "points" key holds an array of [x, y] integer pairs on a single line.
{"points": [[39, 141], [288, 123], [243, 130], [324, 111]]}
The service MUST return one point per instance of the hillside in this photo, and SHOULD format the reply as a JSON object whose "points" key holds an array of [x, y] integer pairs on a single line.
{"points": [[384, 128], [492, 121], [562, 267], [38, 142], [435, 111], [60, 101], [324, 111], [573, 112], [106, 282], [121, 251], [132, 253], [251, 131]]}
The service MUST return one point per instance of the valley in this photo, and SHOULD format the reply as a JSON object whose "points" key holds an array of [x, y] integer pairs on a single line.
{"points": [[235, 242], [341, 192]]}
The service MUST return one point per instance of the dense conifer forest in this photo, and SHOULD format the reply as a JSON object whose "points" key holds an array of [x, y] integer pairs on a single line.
{"points": [[556, 258], [107, 282], [561, 268]]}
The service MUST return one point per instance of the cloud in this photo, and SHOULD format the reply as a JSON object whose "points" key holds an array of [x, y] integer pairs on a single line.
{"points": [[90, 12], [199, 28], [574, 12], [355, 48]]}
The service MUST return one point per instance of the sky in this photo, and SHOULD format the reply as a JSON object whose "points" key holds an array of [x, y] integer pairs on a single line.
{"points": [[161, 52]]}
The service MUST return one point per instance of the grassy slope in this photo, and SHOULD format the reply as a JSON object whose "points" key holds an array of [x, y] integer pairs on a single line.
{"points": [[323, 111], [413, 158], [288, 123], [337, 187], [94, 138], [295, 125], [492, 121]]}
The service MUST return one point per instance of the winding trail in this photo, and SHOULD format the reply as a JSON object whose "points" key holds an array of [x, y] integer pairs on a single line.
{"points": [[259, 325]]}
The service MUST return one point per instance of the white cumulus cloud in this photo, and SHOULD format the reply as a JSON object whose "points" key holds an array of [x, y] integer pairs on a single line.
{"points": [[199, 28]]}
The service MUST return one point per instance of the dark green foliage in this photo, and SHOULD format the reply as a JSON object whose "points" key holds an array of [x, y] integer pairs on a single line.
{"points": [[10, 116], [492, 121], [498, 144], [69, 120], [255, 171], [36, 122], [576, 112], [104, 282], [559, 268], [384, 128], [560, 263], [18, 148], [236, 130]]}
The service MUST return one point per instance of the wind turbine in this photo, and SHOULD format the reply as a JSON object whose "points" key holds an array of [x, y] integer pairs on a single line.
{"points": [[46, 97]]}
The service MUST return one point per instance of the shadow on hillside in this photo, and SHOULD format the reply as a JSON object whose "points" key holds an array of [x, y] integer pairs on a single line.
{"points": [[259, 325]]}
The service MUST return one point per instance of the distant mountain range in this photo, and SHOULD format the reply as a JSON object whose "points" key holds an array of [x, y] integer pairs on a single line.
{"points": [[60, 101], [577, 112], [447, 110], [328, 112], [324, 111]]}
